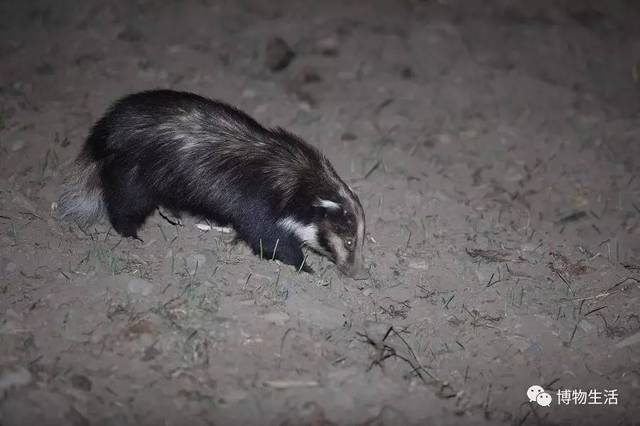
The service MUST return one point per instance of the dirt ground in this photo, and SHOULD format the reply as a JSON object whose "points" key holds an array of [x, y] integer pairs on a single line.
{"points": [[494, 146]]}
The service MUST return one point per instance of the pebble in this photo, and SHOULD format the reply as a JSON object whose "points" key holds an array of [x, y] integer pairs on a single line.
{"points": [[248, 93], [276, 317], [234, 395], [10, 267], [529, 247], [278, 54], [81, 382], [534, 351], [444, 139], [586, 326], [140, 286], [419, 264], [19, 377], [328, 46], [17, 145]]}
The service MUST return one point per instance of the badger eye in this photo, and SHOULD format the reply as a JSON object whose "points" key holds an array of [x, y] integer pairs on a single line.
{"points": [[348, 243]]}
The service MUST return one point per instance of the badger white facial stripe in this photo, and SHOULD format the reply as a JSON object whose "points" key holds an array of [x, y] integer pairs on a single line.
{"points": [[337, 245], [328, 204], [306, 233], [361, 232]]}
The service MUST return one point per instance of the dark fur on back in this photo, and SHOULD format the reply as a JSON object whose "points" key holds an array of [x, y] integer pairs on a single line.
{"points": [[191, 154]]}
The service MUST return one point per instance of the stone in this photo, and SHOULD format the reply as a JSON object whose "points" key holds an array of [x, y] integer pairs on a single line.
{"points": [[140, 286]]}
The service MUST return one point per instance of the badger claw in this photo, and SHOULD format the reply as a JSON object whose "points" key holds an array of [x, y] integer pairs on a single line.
{"points": [[174, 222]]}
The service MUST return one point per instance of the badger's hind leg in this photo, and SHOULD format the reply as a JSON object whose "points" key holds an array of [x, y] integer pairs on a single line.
{"points": [[127, 199]]}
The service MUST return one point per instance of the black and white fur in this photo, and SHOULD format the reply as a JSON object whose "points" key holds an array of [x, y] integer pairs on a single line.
{"points": [[187, 153]]}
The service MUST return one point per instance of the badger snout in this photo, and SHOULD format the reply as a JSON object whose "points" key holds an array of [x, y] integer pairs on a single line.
{"points": [[356, 269]]}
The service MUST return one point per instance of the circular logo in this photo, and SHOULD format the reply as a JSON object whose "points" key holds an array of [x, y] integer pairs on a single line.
{"points": [[533, 392]]}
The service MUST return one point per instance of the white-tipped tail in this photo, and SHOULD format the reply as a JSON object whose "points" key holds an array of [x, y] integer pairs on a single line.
{"points": [[82, 201]]}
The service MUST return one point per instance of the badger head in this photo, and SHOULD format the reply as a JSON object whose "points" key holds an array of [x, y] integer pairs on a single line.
{"points": [[334, 229], [341, 231]]}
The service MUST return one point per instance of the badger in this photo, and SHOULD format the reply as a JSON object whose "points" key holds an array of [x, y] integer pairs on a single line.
{"points": [[189, 154]]}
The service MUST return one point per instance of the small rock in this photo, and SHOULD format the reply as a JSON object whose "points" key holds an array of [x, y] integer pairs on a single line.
{"points": [[310, 76], [81, 382], [306, 100], [534, 351], [150, 353], [19, 377], [529, 247], [407, 73], [143, 327], [17, 145], [278, 54], [444, 139], [419, 264], [348, 136], [10, 267], [176, 48], [328, 46], [195, 351], [276, 317], [248, 93], [586, 326], [140, 286], [234, 395]]}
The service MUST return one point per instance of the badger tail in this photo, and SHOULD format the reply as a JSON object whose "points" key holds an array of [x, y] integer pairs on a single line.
{"points": [[82, 200]]}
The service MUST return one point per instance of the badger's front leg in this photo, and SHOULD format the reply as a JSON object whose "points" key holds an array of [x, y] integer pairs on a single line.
{"points": [[283, 247], [290, 253], [271, 242]]}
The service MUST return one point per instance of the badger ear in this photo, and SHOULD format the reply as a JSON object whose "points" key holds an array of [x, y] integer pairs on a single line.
{"points": [[326, 207]]}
